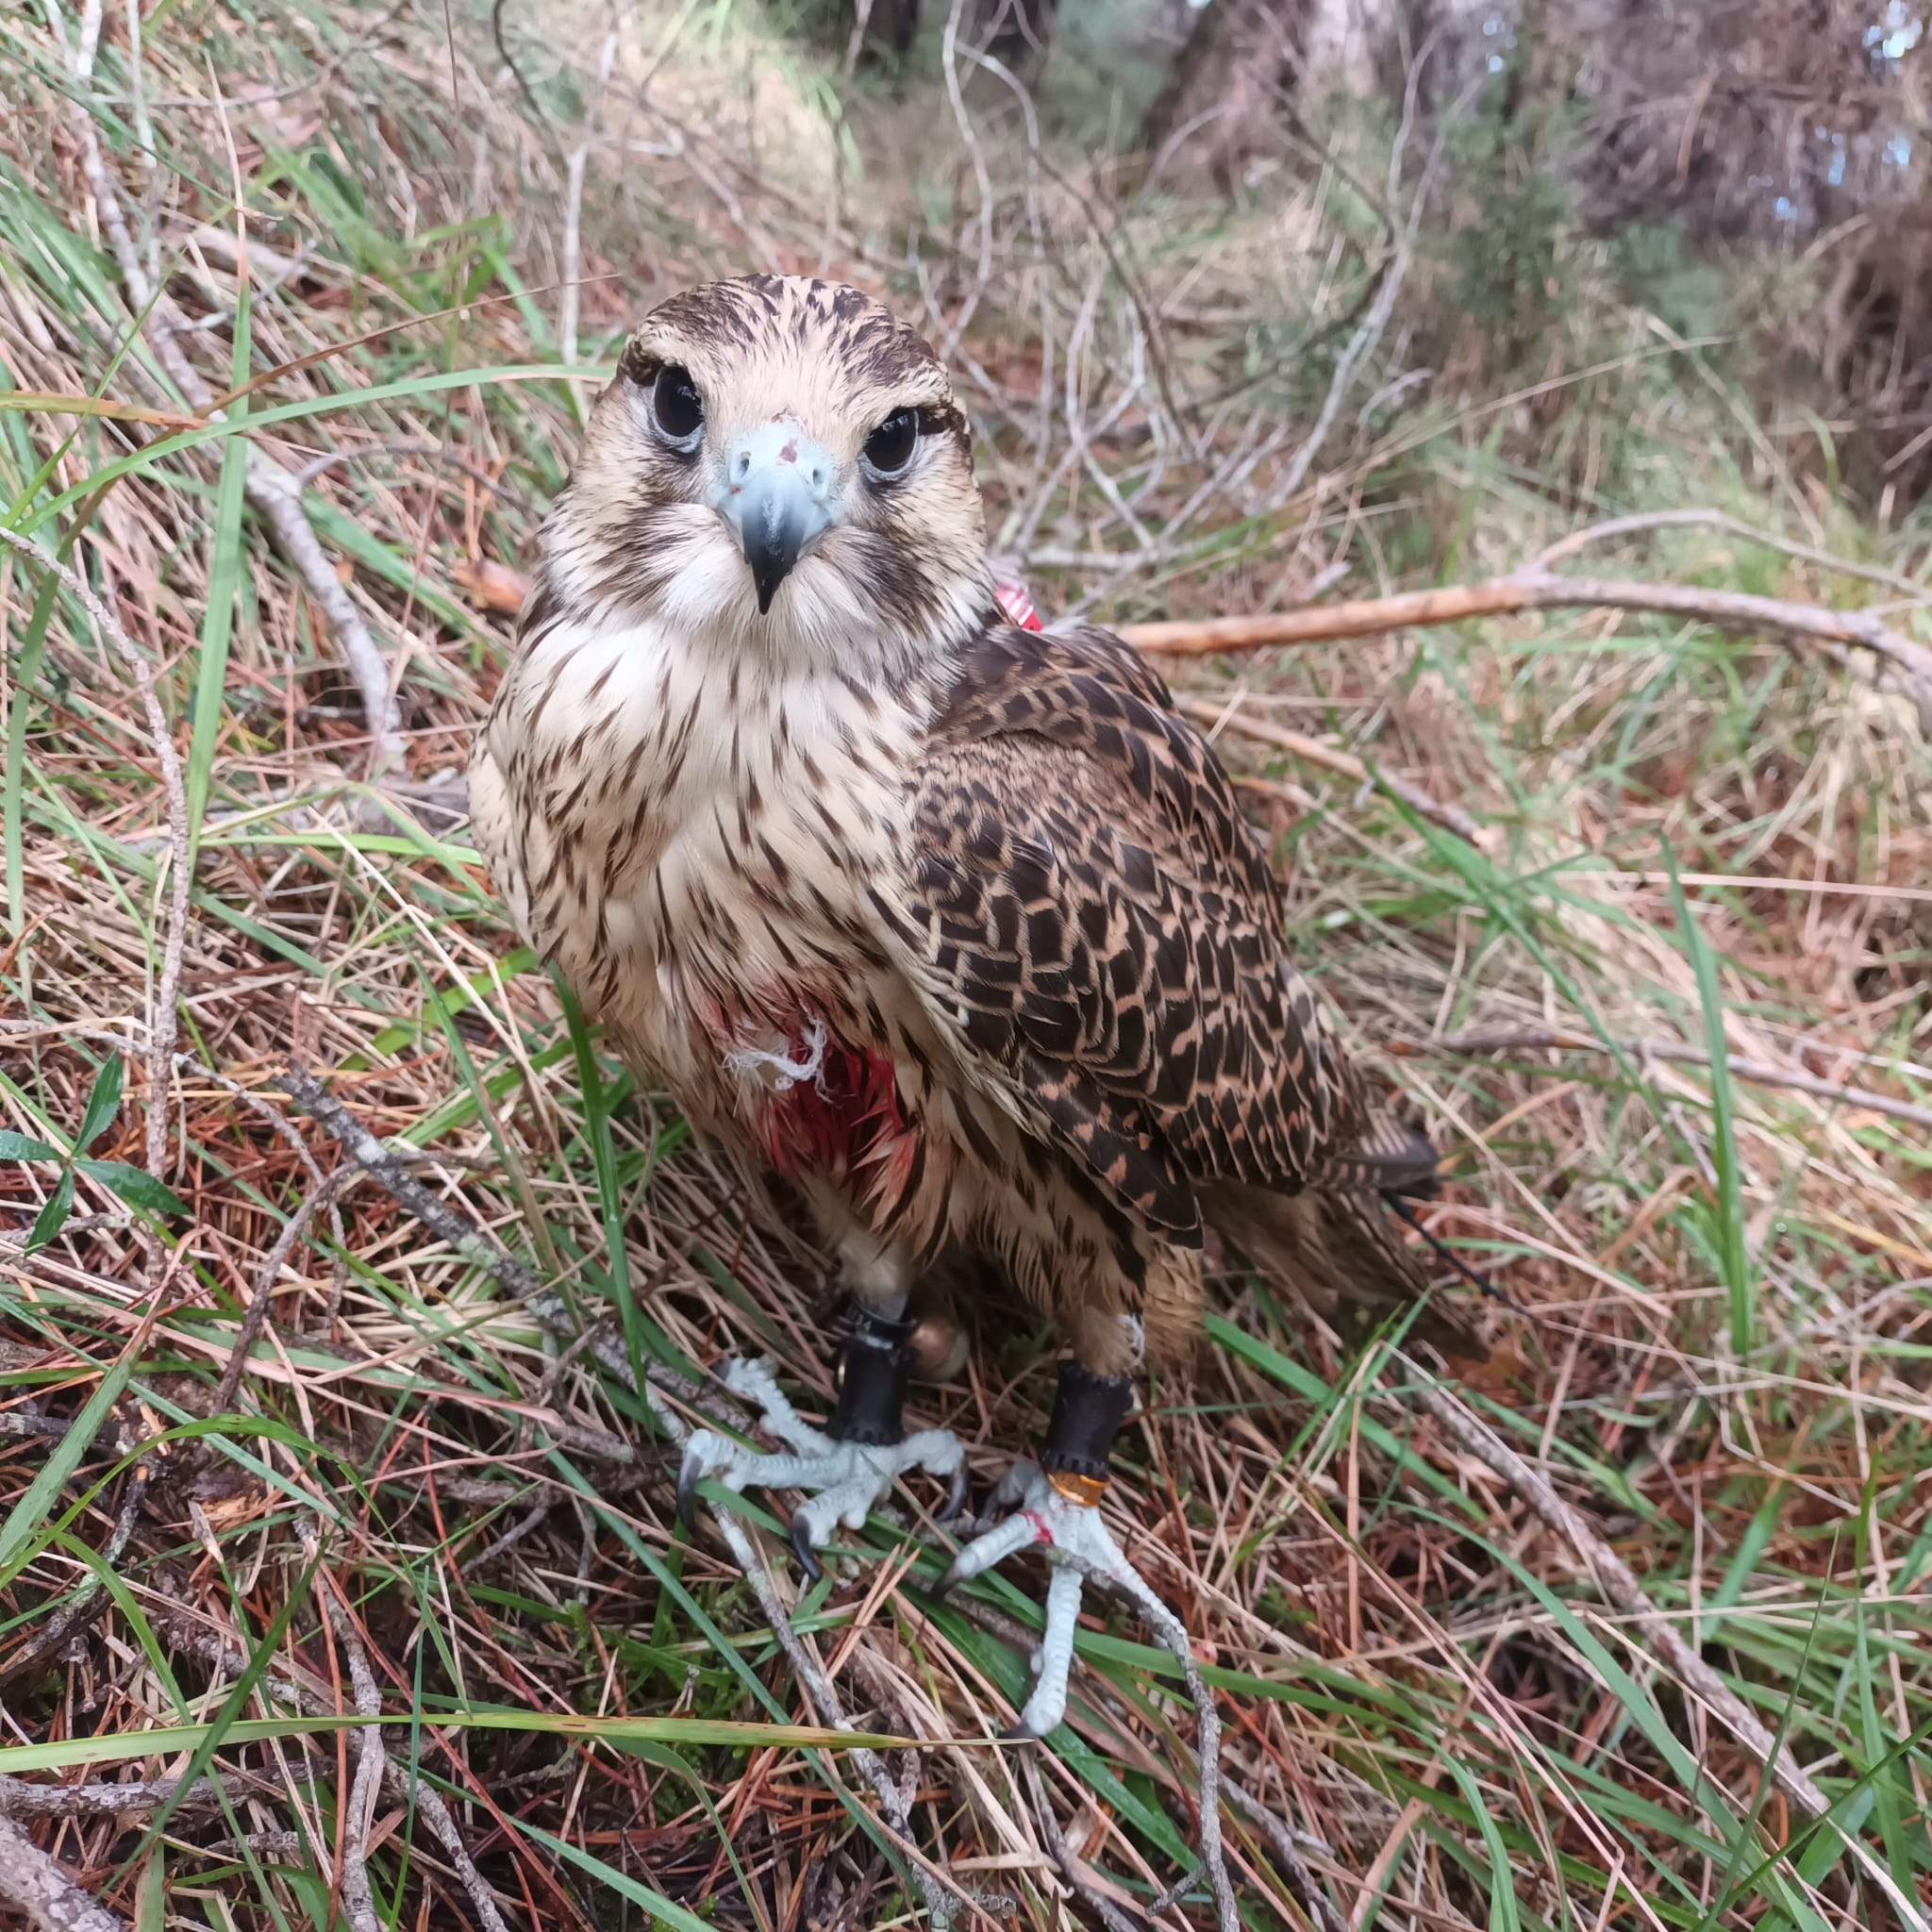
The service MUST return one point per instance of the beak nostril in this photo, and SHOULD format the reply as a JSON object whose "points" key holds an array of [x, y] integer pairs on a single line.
{"points": [[777, 494]]}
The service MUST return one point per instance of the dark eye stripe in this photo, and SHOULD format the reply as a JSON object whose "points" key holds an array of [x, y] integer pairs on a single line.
{"points": [[943, 419]]}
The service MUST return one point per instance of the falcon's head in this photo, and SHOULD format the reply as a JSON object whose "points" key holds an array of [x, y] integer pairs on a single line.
{"points": [[779, 464]]}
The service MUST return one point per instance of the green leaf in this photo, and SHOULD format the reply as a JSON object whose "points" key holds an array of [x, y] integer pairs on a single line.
{"points": [[151, 1893], [53, 1217], [103, 1104], [135, 1186], [24, 1147]]}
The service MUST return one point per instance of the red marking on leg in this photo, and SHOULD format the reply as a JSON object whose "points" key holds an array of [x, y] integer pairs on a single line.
{"points": [[1043, 1529]]}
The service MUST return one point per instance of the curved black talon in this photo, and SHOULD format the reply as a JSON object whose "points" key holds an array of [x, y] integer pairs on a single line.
{"points": [[1018, 1733], [688, 1476], [956, 1497], [802, 1549]]}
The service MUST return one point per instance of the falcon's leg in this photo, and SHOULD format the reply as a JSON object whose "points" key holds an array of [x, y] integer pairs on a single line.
{"points": [[1058, 1504], [849, 1464]]}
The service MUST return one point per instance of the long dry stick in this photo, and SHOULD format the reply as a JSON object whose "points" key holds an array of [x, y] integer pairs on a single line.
{"points": [[1619, 1583], [1534, 589], [20, 1799], [31, 1883], [272, 492], [942, 1898], [1072, 1873], [359, 1901], [162, 1021], [1287, 1859], [1762, 1072]]}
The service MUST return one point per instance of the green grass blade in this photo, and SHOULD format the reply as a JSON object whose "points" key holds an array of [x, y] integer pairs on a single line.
{"points": [[25, 675], [218, 614], [1733, 1261], [28, 1517]]}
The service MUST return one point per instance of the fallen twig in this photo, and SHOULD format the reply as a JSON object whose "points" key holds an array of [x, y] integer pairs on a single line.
{"points": [[1534, 588], [359, 1901], [33, 1883], [1619, 1583], [20, 1799], [1074, 1873], [1301, 1882], [1344, 764], [1287, 1859], [1762, 1072]]}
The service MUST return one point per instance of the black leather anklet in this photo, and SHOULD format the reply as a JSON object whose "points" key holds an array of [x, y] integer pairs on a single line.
{"points": [[871, 1383], [1088, 1411]]}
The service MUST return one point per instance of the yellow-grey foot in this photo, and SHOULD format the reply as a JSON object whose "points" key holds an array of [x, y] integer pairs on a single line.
{"points": [[845, 1479], [1059, 1513]]}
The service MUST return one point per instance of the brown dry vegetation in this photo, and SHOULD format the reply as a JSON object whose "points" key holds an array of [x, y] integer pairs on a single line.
{"points": [[287, 1453]]}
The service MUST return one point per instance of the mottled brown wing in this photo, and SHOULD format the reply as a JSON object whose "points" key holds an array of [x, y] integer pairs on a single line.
{"points": [[1101, 925]]}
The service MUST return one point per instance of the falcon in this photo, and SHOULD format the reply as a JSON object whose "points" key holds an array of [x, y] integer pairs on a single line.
{"points": [[955, 926]]}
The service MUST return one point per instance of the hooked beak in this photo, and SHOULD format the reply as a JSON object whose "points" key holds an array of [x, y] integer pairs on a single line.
{"points": [[778, 499]]}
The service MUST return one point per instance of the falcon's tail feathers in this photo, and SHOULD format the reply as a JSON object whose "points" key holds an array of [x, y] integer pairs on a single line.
{"points": [[1338, 1245]]}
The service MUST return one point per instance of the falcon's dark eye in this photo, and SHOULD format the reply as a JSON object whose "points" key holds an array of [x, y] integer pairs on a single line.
{"points": [[677, 406], [888, 448]]}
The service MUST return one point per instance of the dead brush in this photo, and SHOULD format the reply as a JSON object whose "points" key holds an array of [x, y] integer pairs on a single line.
{"points": [[338, 1575]]}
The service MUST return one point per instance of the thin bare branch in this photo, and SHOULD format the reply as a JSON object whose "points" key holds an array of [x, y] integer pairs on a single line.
{"points": [[20, 1799], [32, 1884], [359, 1901], [1536, 589], [1760, 1073]]}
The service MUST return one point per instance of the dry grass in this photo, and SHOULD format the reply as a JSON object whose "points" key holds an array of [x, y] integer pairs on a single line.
{"points": [[405, 1495]]}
